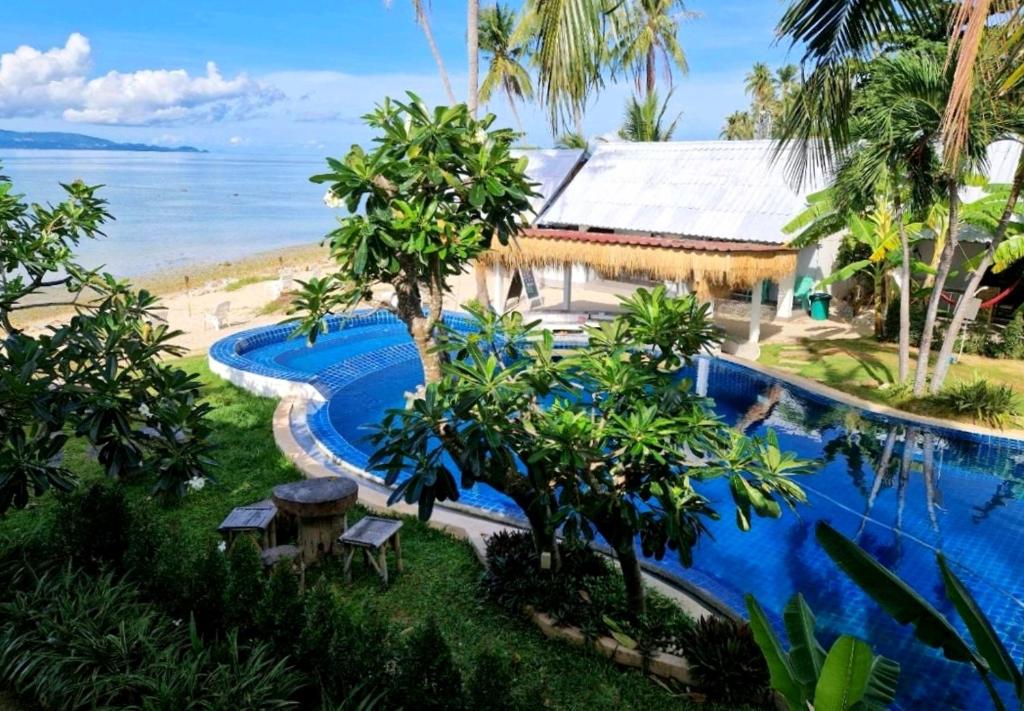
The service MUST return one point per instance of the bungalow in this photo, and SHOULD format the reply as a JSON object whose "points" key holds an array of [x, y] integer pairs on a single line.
{"points": [[703, 216]]}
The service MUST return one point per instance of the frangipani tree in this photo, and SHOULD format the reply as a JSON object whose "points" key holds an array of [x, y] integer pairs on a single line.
{"points": [[606, 441], [431, 196], [98, 375]]}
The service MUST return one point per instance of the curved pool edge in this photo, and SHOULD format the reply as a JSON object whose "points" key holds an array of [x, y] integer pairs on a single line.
{"points": [[819, 390], [467, 523]]}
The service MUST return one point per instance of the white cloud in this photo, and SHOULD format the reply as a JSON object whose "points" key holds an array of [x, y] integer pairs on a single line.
{"points": [[56, 82], [238, 141]]}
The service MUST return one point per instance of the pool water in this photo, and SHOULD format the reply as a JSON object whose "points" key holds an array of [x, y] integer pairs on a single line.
{"points": [[904, 492]]}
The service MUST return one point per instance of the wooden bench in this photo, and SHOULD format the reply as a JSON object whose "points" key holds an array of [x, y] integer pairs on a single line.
{"points": [[257, 519], [372, 535]]}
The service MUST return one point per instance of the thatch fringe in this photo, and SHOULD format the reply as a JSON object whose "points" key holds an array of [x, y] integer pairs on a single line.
{"points": [[710, 273]]}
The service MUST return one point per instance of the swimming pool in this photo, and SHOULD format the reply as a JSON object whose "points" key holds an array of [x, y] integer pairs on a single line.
{"points": [[942, 490]]}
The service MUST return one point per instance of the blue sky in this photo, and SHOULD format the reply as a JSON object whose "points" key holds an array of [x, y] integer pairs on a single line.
{"points": [[296, 76]]}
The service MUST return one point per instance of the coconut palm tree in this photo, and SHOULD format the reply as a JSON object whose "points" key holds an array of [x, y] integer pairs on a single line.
{"points": [[473, 52], [572, 140], [646, 29], [739, 126], [644, 119], [760, 86], [424, 22], [506, 70], [569, 53]]}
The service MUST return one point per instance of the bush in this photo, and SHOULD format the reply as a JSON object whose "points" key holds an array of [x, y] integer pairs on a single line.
{"points": [[891, 329], [93, 527], [490, 683], [726, 663], [1012, 343], [426, 676], [279, 616], [584, 593], [245, 585], [75, 641], [986, 402], [208, 592]]}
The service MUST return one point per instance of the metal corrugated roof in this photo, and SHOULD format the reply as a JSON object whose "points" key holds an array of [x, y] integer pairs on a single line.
{"points": [[729, 190], [549, 167]]}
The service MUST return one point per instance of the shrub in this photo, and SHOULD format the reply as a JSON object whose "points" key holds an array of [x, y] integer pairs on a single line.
{"points": [[986, 402], [245, 584], [279, 615], [891, 329], [583, 593], [491, 682], [426, 676], [208, 592], [726, 663], [1012, 343], [93, 527]]}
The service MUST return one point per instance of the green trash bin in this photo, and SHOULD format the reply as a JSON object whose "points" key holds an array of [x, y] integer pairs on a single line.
{"points": [[819, 305]]}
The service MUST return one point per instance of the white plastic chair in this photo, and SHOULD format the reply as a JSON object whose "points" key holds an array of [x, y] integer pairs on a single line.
{"points": [[218, 318]]}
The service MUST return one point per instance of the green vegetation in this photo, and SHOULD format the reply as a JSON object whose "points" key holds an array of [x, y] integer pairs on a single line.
{"points": [[868, 369], [440, 581], [242, 282], [99, 377], [603, 440]]}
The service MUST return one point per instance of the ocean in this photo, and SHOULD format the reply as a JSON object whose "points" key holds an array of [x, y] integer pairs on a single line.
{"points": [[174, 210]]}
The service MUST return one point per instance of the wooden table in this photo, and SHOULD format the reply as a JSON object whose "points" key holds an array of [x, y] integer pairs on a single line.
{"points": [[320, 505], [372, 535]]}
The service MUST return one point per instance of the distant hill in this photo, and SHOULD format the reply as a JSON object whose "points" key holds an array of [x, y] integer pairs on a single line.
{"points": [[79, 142]]}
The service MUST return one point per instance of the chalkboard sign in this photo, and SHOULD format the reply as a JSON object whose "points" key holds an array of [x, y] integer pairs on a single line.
{"points": [[530, 284]]}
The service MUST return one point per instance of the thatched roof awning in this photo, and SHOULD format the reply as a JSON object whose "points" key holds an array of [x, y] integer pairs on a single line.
{"points": [[712, 267]]}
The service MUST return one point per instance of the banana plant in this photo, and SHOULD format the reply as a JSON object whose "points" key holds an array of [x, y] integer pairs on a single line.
{"points": [[988, 656], [849, 676]]}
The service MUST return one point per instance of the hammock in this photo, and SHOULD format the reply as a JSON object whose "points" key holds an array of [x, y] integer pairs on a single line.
{"points": [[985, 304]]}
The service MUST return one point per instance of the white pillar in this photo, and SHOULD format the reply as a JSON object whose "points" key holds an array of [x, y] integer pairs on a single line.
{"points": [[703, 368], [755, 313], [500, 289], [784, 309], [567, 287]]}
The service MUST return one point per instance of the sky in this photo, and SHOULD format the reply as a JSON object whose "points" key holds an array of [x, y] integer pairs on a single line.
{"points": [[295, 77]]}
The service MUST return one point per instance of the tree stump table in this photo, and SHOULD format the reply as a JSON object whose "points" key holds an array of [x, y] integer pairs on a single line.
{"points": [[320, 505]]}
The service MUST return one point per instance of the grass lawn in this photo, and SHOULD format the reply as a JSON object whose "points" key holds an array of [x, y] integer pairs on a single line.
{"points": [[440, 579], [866, 368]]}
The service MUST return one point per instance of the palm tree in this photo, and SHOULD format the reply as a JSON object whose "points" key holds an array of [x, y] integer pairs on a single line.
{"points": [[473, 52], [644, 120], [787, 80], [645, 29], [505, 69], [568, 43], [572, 140], [739, 126], [424, 23], [760, 86]]}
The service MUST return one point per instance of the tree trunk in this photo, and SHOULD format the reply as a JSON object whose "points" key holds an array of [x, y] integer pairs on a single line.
{"points": [[650, 70], [904, 344], [473, 48], [421, 327], [879, 299], [632, 576], [960, 313], [948, 252], [421, 18], [515, 112]]}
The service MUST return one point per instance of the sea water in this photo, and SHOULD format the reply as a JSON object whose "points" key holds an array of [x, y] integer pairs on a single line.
{"points": [[174, 210]]}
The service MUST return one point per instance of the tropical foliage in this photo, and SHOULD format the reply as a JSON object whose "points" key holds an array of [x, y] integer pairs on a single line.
{"points": [[848, 676], [644, 31], [506, 69], [606, 441], [645, 119], [434, 193], [771, 95], [99, 375], [988, 656]]}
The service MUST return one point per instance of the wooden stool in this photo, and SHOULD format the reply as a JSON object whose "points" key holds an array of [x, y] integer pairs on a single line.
{"points": [[372, 535], [257, 519]]}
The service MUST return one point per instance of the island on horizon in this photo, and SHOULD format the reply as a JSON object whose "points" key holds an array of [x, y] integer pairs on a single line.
{"points": [[55, 140]]}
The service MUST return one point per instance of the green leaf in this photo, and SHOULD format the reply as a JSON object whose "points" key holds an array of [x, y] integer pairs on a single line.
{"points": [[477, 195], [895, 596], [806, 654], [984, 635], [780, 668], [844, 677]]}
